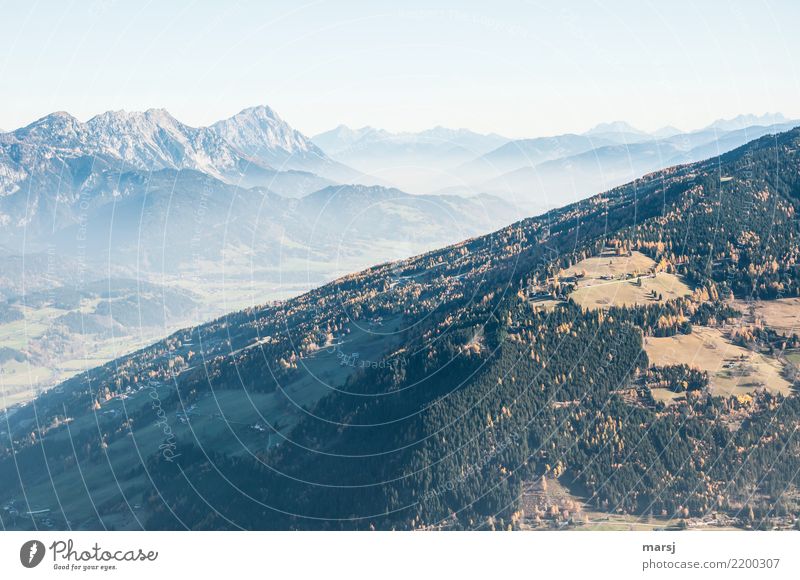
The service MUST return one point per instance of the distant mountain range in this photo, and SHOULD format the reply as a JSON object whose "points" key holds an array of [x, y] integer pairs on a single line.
{"points": [[154, 139], [55, 170], [143, 193], [538, 173], [744, 121], [255, 191], [551, 182], [361, 143], [410, 160], [50, 165]]}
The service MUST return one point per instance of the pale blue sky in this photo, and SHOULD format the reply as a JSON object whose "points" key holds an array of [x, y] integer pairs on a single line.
{"points": [[516, 68]]}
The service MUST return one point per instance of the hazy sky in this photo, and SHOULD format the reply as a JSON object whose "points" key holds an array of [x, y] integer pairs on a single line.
{"points": [[516, 68]]}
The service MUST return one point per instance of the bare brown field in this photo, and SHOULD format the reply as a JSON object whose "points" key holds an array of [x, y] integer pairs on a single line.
{"points": [[622, 281], [782, 315], [609, 265], [667, 397], [546, 304], [732, 370]]}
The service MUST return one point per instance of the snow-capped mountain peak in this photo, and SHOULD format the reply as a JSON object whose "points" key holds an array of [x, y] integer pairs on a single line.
{"points": [[58, 157], [259, 133], [59, 128], [155, 139]]}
